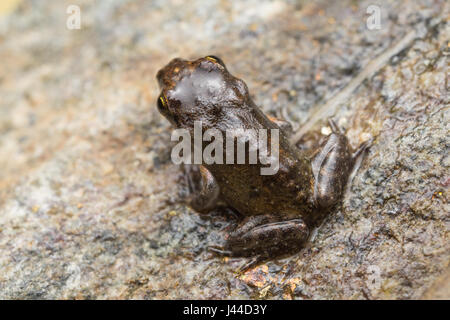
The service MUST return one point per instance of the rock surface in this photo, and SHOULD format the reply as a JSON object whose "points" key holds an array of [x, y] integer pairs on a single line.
{"points": [[91, 206]]}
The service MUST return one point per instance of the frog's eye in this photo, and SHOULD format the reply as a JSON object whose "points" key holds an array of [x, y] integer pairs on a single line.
{"points": [[216, 60], [162, 104]]}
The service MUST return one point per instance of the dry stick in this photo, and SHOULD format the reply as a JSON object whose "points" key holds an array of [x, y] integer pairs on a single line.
{"points": [[327, 109]]}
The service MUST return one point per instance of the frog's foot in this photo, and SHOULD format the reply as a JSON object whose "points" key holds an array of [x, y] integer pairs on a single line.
{"points": [[267, 236], [359, 153], [358, 157], [220, 250], [284, 125], [250, 263], [203, 188], [334, 127], [332, 166]]}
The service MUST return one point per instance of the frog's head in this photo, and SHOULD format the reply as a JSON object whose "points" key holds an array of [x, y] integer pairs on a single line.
{"points": [[199, 90]]}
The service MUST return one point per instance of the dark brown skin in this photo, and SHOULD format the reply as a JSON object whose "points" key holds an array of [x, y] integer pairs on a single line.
{"points": [[278, 210]]}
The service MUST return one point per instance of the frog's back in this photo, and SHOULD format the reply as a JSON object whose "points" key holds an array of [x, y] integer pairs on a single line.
{"points": [[287, 192]]}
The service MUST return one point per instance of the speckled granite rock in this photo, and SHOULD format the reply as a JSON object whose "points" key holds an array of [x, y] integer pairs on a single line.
{"points": [[91, 206]]}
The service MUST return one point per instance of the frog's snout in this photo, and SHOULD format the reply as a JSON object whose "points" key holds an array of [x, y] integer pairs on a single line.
{"points": [[168, 73]]}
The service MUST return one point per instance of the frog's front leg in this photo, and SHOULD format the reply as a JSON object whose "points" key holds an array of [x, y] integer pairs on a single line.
{"points": [[203, 188], [266, 235], [331, 167]]}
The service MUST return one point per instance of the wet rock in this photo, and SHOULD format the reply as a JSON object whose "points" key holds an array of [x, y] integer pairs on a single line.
{"points": [[92, 207]]}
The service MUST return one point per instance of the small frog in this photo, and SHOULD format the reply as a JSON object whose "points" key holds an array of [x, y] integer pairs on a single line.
{"points": [[277, 211]]}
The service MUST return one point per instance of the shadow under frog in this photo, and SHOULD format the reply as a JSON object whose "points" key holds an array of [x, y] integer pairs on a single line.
{"points": [[277, 211]]}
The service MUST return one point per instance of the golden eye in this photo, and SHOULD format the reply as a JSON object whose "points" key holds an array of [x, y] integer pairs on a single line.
{"points": [[216, 60], [162, 103]]}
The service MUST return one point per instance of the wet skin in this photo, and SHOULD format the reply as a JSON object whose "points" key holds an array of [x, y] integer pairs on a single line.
{"points": [[277, 211]]}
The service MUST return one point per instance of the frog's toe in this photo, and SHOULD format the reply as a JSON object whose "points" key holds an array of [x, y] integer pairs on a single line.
{"points": [[219, 250], [363, 147], [334, 127], [250, 263]]}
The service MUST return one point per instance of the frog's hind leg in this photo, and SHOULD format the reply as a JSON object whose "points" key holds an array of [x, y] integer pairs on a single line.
{"points": [[203, 187], [267, 235], [332, 165]]}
